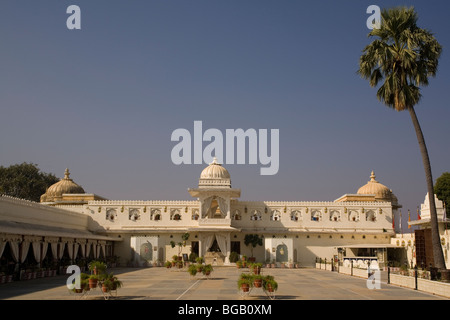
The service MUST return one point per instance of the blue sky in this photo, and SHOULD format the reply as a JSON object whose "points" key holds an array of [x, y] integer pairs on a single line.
{"points": [[104, 100]]}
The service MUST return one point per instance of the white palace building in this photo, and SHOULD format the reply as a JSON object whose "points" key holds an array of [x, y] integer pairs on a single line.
{"points": [[71, 224]]}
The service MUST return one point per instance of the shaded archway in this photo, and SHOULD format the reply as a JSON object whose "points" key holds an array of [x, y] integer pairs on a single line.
{"points": [[282, 253]]}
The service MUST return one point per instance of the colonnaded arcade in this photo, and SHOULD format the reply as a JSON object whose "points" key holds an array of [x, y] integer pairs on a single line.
{"points": [[71, 224]]}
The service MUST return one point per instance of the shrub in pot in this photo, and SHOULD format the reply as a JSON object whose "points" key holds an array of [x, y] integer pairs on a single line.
{"points": [[258, 281], [97, 267], [93, 279], [106, 285], [192, 269], [270, 284], [245, 282], [207, 269], [257, 268]]}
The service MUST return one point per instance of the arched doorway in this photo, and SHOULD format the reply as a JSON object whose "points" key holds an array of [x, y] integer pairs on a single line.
{"points": [[282, 253], [146, 252]]}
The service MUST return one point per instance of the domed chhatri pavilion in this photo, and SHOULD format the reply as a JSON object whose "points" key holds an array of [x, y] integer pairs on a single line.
{"points": [[217, 222], [66, 191]]}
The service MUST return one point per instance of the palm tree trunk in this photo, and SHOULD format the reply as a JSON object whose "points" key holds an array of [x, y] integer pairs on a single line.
{"points": [[438, 254]]}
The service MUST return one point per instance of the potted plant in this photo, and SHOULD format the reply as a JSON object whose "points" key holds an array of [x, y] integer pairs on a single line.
{"points": [[207, 269], [168, 264], [192, 269], [93, 279], [244, 261], [107, 285], [239, 264], [257, 281], [245, 282], [270, 284], [256, 268], [174, 260], [116, 284], [85, 285], [97, 267], [84, 281]]}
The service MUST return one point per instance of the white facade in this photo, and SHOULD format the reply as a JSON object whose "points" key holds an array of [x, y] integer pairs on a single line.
{"points": [[292, 231]]}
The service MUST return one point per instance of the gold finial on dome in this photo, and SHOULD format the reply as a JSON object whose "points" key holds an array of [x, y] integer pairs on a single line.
{"points": [[372, 176], [66, 174], [214, 161]]}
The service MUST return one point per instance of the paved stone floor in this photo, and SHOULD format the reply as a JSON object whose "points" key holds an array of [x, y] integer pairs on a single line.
{"points": [[173, 284]]}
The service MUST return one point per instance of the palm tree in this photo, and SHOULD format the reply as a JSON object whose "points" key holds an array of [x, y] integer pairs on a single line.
{"points": [[404, 56]]}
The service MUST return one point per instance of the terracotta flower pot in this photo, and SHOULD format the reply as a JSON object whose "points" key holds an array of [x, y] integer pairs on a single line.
{"points": [[257, 283], [92, 283], [245, 287]]}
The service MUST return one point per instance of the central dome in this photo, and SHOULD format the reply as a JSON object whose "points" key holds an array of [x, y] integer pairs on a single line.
{"points": [[215, 175]]}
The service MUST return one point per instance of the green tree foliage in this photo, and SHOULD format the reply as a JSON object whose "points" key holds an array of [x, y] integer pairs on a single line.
{"points": [[25, 181], [442, 189]]}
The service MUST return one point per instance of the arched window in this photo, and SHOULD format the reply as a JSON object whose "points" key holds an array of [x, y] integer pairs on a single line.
{"points": [[155, 213], [275, 216], [353, 215], [295, 215], [134, 214], [175, 215], [237, 215], [315, 215], [195, 214], [255, 216], [335, 215], [111, 214], [370, 216]]}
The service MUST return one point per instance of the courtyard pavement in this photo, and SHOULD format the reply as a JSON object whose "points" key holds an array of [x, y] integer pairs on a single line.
{"points": [[175, 284]]}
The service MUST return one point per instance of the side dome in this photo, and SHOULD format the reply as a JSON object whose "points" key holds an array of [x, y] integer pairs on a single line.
{"points": [[64, 186], [215, 175], [381, 192]]}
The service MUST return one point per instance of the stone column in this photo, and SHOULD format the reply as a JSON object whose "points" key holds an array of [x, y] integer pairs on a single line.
{"points": [[227, 254]]}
